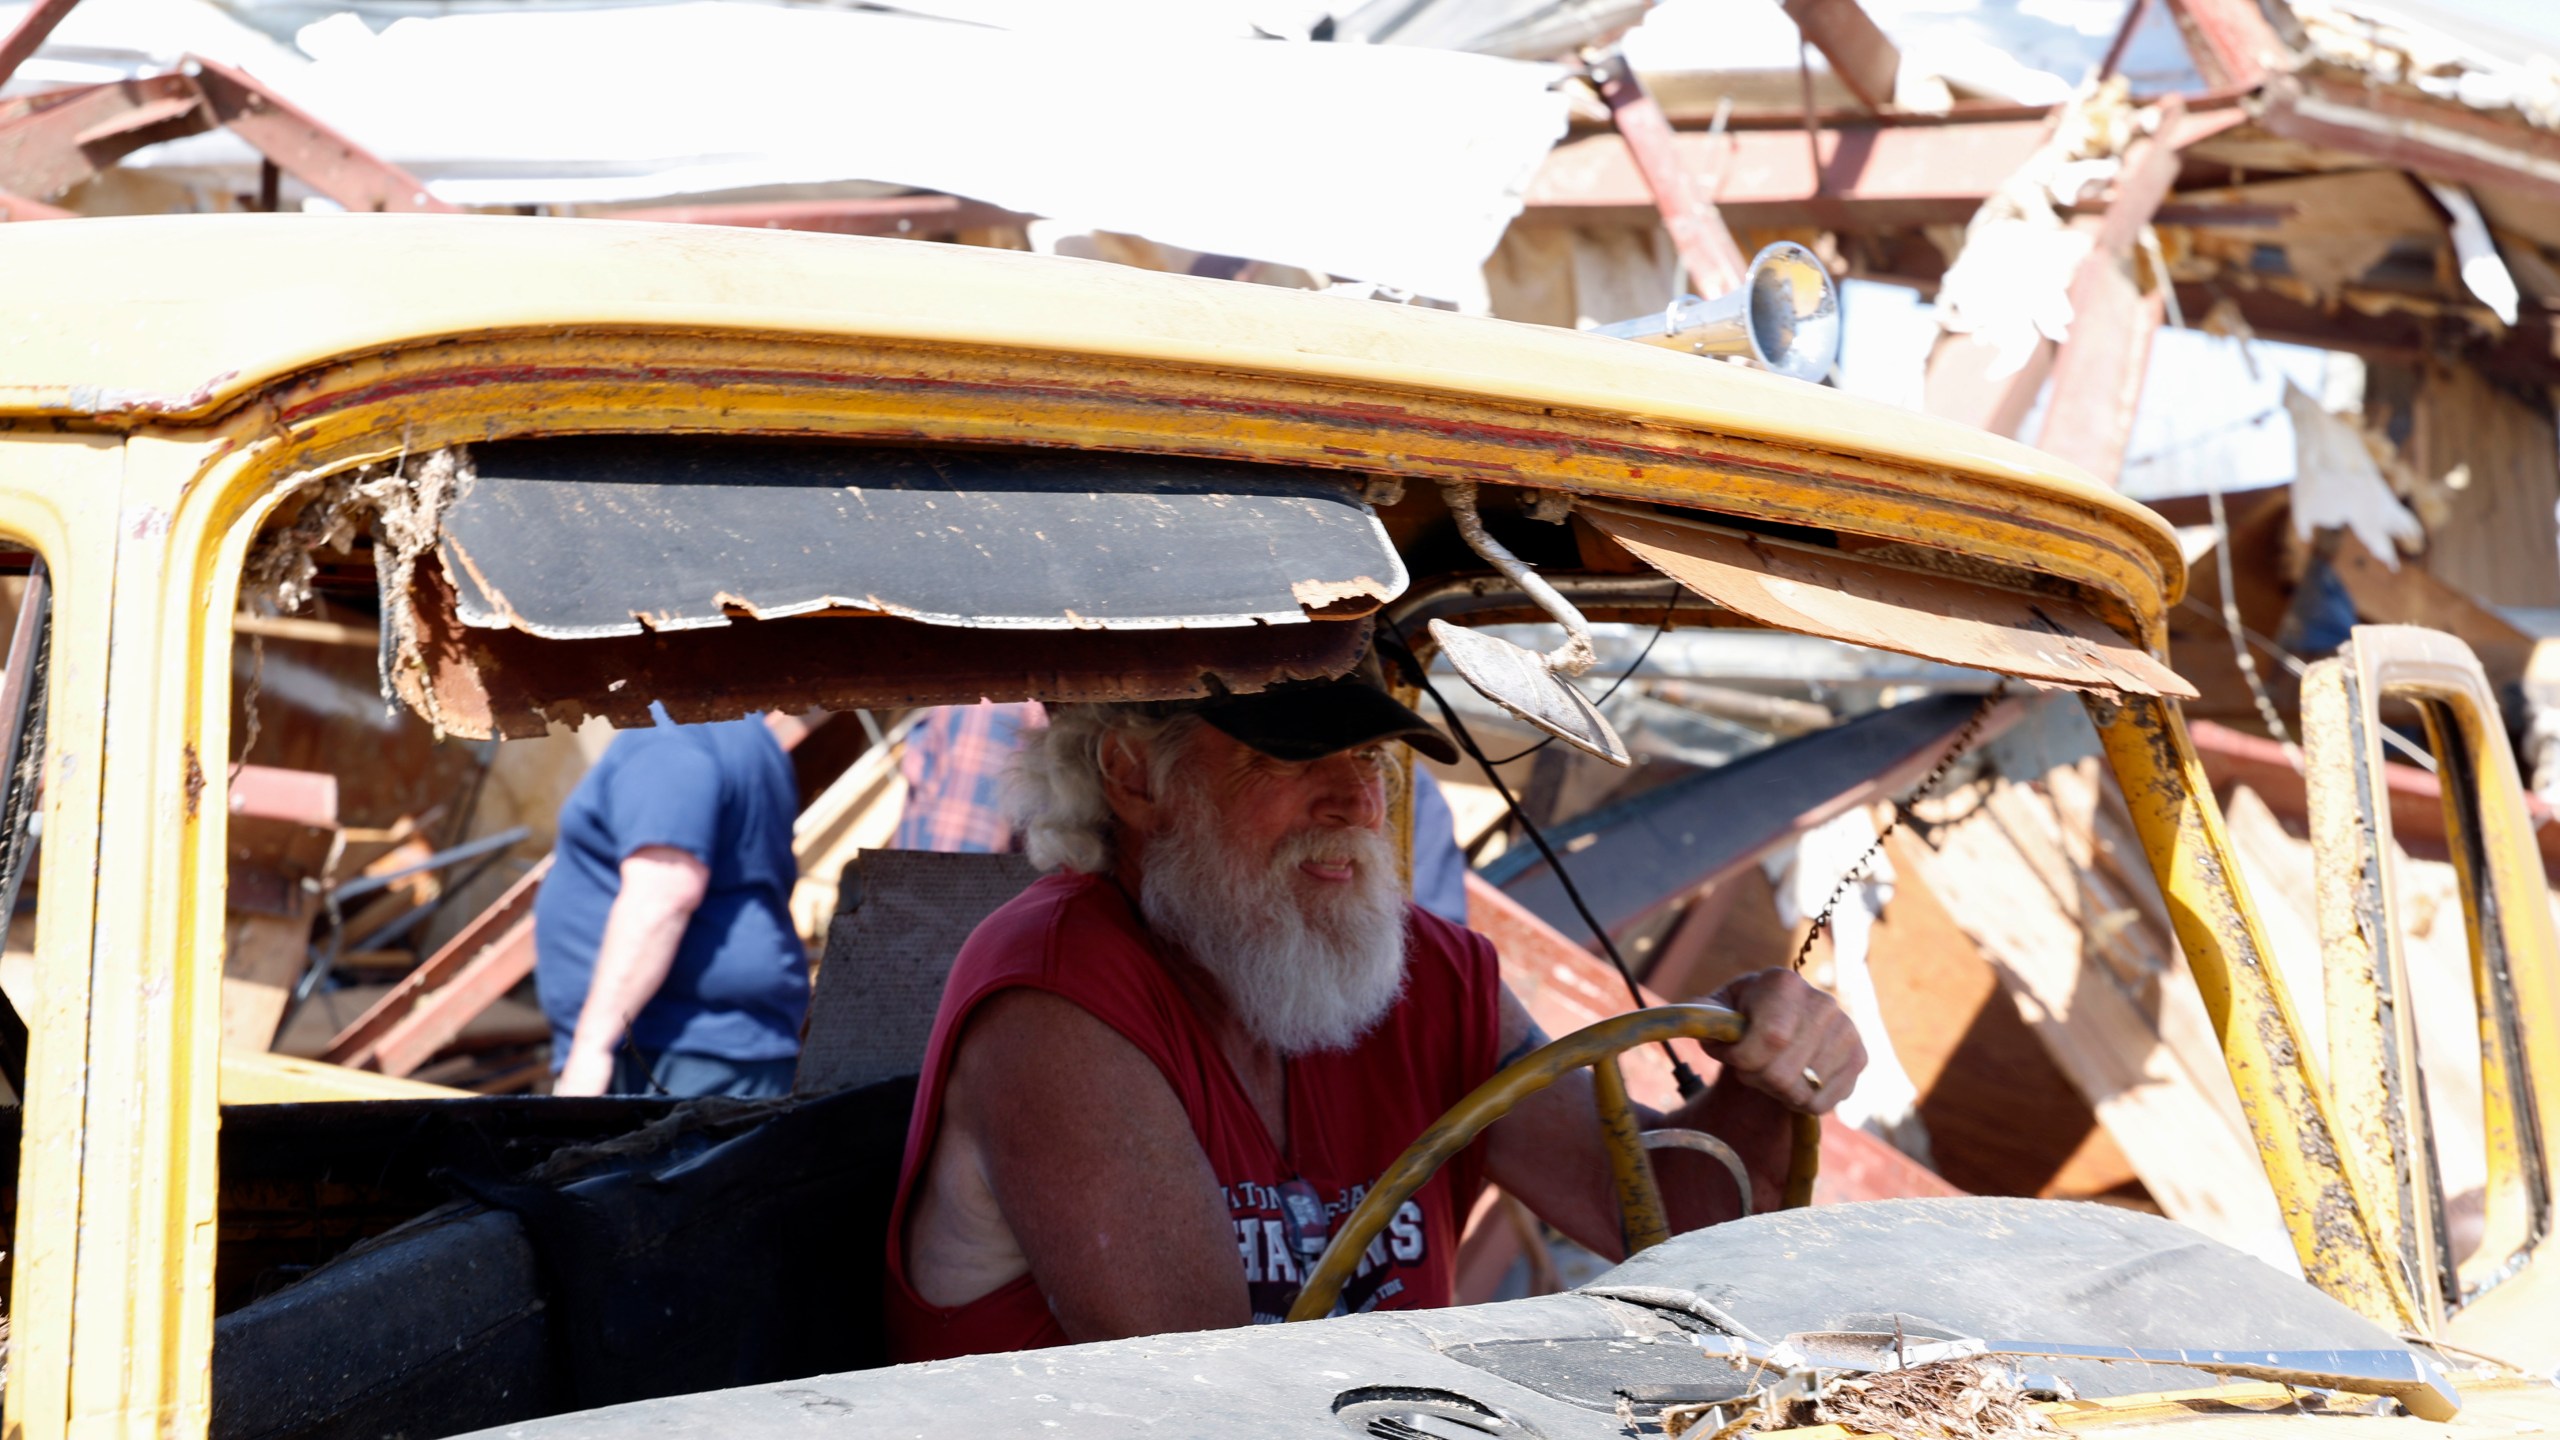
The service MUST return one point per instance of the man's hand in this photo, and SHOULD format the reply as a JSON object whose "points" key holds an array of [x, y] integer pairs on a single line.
{"points": [[588, 1072], [1799, 1047]]}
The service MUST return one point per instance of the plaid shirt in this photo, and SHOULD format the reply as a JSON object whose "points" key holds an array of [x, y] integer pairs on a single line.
{"points": [[954, 759]]}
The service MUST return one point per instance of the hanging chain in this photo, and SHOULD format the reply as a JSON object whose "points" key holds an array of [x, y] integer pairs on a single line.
{"points": [[1901, 810]]}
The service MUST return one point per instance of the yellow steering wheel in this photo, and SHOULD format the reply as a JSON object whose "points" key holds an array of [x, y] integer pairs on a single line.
{"points": [[1640, 1215]]}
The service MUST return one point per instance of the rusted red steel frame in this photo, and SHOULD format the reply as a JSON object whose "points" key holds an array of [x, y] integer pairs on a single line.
{"points": [[1698, 233], [1848, 38], [2098, 372], [2123, 41], [306, 147], [29, 36], [435, 986], [2229, 40], [50, 143], [1871, 174], [441, 1017], [64, 138]]}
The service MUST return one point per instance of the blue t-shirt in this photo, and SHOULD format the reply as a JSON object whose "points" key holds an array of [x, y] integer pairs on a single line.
{"points": [[724, 795]]}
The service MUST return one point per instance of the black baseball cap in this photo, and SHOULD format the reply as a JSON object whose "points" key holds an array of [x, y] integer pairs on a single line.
{"points": [[1310, 719]]}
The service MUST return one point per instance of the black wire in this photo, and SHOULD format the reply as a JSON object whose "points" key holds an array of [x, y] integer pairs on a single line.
{"points": [[1659, 631], [1690, 1085]]}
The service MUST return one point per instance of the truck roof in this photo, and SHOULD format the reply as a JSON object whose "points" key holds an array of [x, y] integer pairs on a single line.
{"points": [[149, 321]]}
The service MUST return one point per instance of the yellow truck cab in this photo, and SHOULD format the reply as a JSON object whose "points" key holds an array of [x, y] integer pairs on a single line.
{"points": [[581, 467]]}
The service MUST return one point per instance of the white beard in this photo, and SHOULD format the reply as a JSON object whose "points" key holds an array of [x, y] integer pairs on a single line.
{"points": [[1307, 966]]}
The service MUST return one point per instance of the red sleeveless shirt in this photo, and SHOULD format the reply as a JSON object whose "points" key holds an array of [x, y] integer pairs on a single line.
{"points": [[1351, 1113]]}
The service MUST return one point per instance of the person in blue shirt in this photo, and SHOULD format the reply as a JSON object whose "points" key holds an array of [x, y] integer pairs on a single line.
{"points": [[665, 956]]}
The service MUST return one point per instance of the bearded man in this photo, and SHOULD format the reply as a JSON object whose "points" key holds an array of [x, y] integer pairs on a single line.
{"points": [[1165, 1072]]}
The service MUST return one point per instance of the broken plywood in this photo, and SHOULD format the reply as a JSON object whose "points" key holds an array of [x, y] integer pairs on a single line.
{"points": [[2497, 543], [2332, 228]]}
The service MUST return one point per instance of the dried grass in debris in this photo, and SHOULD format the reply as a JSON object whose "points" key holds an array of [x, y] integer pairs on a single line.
{"points": [[1967, 1399], [404, 501]]}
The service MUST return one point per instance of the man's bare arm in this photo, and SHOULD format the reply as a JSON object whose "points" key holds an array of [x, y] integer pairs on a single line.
{"points": [[1091, 1164], [1548, 1152], [661, 888]]}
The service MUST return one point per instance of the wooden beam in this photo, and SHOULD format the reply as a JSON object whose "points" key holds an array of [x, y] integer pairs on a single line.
{"points": [[2410, 595], [1860, 54], [2142, 1053], [2098, 376], [256, 1077], [2393, 327], [1687, 205], [2002, 1119], [1960, 384], [2092, 395], [283, 824], [318, 632]]}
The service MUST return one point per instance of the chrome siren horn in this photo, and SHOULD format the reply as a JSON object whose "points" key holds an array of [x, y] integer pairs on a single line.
{"points": [[1785, 315]]}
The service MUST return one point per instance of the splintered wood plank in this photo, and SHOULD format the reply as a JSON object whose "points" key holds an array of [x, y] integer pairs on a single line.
{"points": [[2002, 1119], [2192, 1153], [2108, 924]]}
